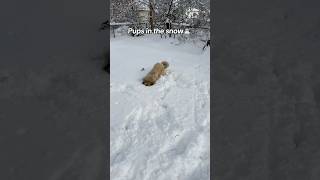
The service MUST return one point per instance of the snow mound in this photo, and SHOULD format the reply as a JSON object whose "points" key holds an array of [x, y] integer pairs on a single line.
{"points": [[160, 132]]}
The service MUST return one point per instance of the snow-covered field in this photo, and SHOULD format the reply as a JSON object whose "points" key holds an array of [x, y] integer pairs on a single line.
{"points": [[159, 132]]}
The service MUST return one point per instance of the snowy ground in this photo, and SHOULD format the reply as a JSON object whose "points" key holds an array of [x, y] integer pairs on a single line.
{"points": [[159, 132]]}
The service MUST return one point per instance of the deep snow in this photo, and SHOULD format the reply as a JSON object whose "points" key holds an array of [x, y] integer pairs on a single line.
{"points": [[160, 132]]}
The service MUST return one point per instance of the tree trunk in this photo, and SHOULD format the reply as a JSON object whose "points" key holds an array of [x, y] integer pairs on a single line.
{"points": [[151, 14], [170, 7]]}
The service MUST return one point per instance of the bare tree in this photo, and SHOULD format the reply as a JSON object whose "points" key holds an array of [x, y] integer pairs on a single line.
{"points": [[152, 13]]}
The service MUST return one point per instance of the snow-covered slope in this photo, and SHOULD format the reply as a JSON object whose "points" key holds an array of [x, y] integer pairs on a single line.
{"points": [[159, 132]]}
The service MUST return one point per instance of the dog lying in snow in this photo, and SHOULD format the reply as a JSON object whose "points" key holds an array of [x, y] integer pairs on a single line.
{"points": [[156, 72]]}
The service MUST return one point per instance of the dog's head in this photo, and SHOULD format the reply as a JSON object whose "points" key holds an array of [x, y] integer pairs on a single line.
{"points": [[165, 64]]}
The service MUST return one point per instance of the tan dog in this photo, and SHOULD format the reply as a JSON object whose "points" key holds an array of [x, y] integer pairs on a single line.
{"points": [[156, 72]]}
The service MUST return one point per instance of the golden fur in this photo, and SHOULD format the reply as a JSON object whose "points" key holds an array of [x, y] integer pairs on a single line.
{"points": [[156, 72]]}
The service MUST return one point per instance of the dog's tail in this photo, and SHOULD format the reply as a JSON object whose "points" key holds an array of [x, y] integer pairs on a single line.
{"points": [[165, 64]]}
